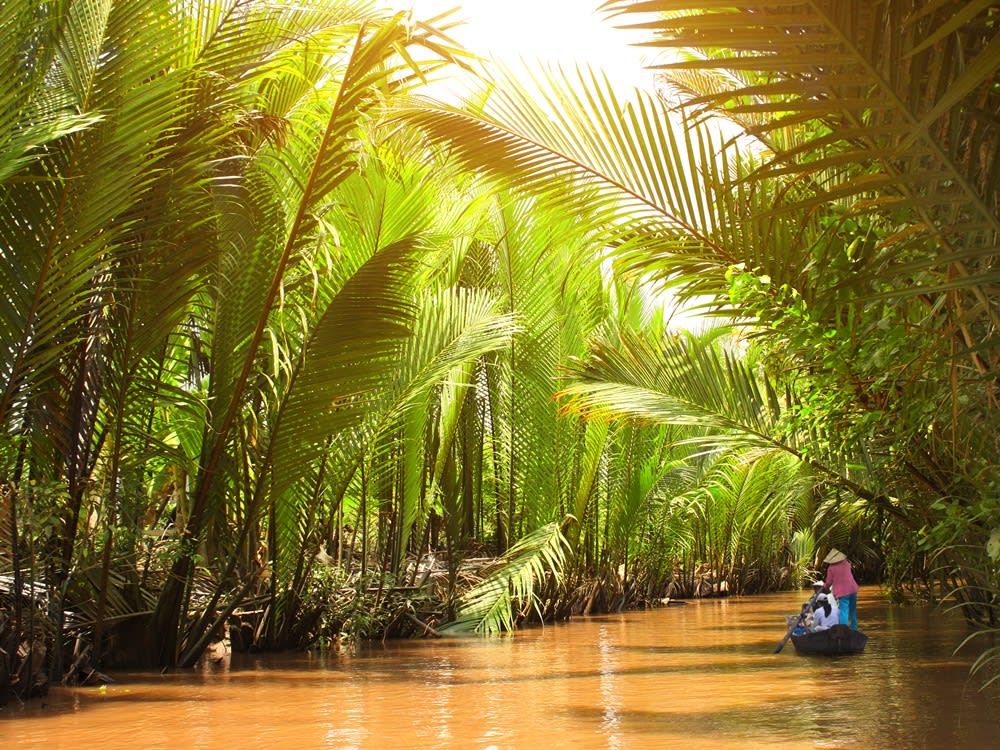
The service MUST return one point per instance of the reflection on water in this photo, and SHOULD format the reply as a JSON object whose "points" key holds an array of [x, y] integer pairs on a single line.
{"points": [[696, 676]]}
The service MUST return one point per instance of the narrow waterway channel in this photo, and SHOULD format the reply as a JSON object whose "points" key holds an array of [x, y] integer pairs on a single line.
{"points": [[700, 675]]}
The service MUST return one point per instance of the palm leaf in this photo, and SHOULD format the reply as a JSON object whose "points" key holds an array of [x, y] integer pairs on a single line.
{"points": [[904, 91], [81, 200], [667, 193], [324, 158], [593, 450], [621, 160], [488, 607], [347, 357], [674, 381]]}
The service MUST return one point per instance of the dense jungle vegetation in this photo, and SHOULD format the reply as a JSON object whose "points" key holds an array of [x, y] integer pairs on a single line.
{"points": [[290, 347]]}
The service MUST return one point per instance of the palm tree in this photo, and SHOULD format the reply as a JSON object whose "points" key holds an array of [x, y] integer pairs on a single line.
{"points": [[147, 248], [270, 224], [526, 454], [449, 330], [851, 229], [886, 114], [87, 231]]}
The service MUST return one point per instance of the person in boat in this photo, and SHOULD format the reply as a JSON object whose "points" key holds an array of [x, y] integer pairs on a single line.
{"points": [[817, 587], [826, 614], [840, 580], [804, 623]]}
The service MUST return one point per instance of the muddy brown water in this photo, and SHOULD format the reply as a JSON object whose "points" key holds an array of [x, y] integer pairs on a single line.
{"points": [[701, 675]]}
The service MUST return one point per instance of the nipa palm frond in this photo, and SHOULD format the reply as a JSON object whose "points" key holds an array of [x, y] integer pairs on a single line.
{"points": [[892, 105], [671, 381], [621, 161], [349, 355], [489, 607]]}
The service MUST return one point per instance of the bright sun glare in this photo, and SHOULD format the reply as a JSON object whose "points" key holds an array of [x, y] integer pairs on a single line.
{"points": [[563, 32]]}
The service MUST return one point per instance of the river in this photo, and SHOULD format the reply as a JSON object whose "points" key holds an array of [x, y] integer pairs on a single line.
{"points": [[699, 675]]}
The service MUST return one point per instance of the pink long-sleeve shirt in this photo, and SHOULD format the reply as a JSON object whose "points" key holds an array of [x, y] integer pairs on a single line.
{"points": [[840, 579]]}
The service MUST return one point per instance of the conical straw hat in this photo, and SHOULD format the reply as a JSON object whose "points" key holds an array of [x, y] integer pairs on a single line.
{"points": [[835, 556]]}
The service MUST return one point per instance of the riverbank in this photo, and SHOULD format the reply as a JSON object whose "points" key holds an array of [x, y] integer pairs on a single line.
{"points": [[338, 612], [696, 677]]}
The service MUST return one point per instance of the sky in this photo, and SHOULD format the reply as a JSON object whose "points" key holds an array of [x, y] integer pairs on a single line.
{"points": [[555, 31]]}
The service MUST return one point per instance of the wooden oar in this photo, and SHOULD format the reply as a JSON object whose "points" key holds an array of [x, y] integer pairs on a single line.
{"points": [[798, 621]]}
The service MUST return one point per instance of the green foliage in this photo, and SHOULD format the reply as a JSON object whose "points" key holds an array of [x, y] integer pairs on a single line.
{"points": [[506, 595], [803, 553], [854, 241], [341, 612], [248, 310]]}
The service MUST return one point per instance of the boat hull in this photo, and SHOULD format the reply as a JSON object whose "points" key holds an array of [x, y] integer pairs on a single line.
{"points": [[839, 639]]}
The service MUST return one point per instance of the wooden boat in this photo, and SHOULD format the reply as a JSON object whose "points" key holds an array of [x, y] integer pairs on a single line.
{"points": [[839, 639]]}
